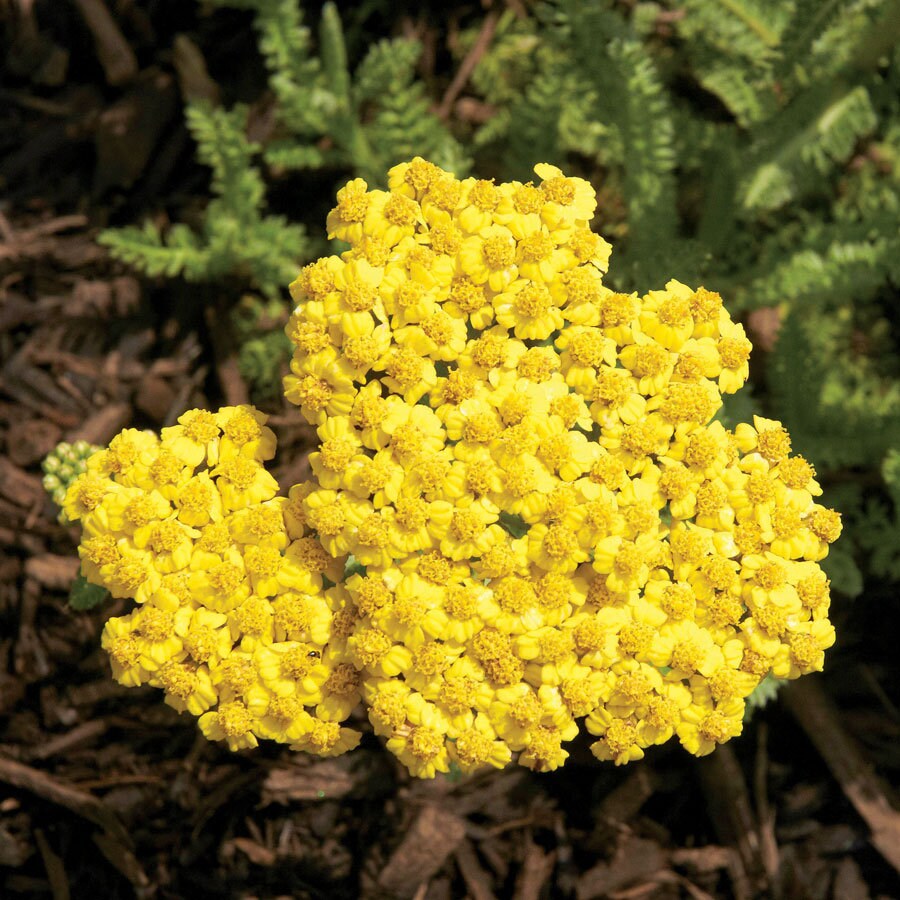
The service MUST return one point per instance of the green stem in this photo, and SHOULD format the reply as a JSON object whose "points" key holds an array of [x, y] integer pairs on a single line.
{"points": [[766, 35], [347, 130]]}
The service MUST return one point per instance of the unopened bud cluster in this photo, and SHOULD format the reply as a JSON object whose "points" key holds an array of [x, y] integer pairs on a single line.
{"points": [[63, 465]]}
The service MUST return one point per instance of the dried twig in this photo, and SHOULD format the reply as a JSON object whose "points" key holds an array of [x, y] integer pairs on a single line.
{"points": [[56, 871], [768, 845], [467, 66], [477, 881], [56, 791], [535, 871], [728, 802]]}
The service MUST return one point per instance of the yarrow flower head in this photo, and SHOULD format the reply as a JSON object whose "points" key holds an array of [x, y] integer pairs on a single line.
{"points": [[523, 515], [234, 619]]}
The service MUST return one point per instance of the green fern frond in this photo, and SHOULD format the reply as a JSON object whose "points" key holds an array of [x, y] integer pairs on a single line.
{"points": [[83, 595], [736, 28], [403, 126], [890, 471], [290, 155], [235, 237], [143, 247], [222, 145], [295, 74], [534, 132], [730, 45], [839, 409], [743, 95], [274, 250], [632, 99], [804, 142], [810, 19], [832, 263], [387, 67], [517, 52], [494, 131]]}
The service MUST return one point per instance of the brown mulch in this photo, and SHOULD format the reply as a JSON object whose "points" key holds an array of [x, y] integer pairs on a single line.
{"points": [[106, 792]]}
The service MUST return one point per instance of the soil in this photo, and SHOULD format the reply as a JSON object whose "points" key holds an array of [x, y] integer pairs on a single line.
{"points": [[106, 792]]}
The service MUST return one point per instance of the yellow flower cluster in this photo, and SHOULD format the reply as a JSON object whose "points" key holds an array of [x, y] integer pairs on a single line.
{"points": [[523, 515], [234, 621], [552, 528]]}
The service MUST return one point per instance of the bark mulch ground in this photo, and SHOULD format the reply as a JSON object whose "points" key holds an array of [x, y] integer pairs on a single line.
{"points": [[106, 792]]}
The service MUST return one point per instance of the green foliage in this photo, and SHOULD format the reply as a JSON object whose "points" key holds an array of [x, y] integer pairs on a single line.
{"points": [[366, 120], [631, 101], [236, 237], [763, 694], [84, 595], [264, 348], [890, 470], [842, 410], [328, 118], [804, 141]]}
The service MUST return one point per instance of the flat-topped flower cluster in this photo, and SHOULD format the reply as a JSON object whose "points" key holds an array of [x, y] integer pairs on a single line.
{"points": [[523, 514]]}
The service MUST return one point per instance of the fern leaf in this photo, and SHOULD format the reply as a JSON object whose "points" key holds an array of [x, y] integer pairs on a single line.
{"points": [[839, 412], [746, 29], [288, 154], [890, 471], [535, 124], [836, 262], [734, 86], [223, 146], [403, 126], [387, 65], [814, 132], [809, 20], [84, 595], [274, 250], [632, 99], [143, 248], [295, 75]]}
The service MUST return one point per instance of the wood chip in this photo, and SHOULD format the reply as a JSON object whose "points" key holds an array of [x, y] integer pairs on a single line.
{"points": [[13, 852], [256, 853], [476, 879], [56, 871], [82, 734], [636, 860], [535, 872], [326, 778], [29, 441], [103, 425], [154, 397], [53, 571], [623, 803], [848, 882], [817, 716], [129, 130], [193, 77], [702, 860], [729, 806], [113, 51], [19, 487], [121, 857], [431, 838]]}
